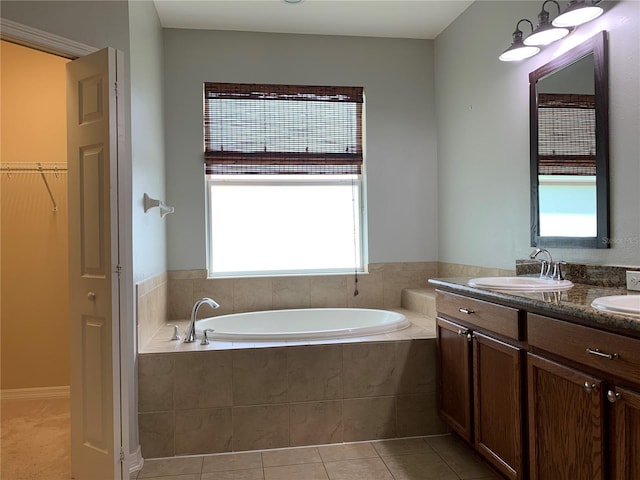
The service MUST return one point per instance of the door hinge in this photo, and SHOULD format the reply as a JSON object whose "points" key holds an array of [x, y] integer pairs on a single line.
{"points": [[121, 455], [115, 88], [118, 270]]}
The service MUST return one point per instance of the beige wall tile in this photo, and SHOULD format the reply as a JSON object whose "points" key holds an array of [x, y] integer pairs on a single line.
{"points": [[369, 369], [418, 415], [253, 294], [370, 290], [259, 376], [180, 299], [156, 432], [416, 366], [369, 418], [220, 290], [255, 428], [315, 423], [203, 379], [186, 274], [314, 373], [155, 382], [328, 291], [203, 431], [291, 292]]}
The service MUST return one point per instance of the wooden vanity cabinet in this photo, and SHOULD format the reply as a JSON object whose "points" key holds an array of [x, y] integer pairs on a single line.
{"points": [[481, 377], [584, 402]]}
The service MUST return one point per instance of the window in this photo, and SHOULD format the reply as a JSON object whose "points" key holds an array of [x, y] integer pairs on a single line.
{"points": [[283, 170]]}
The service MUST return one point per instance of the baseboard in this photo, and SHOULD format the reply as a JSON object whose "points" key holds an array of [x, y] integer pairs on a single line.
{"points": [[135, 460], [37, 393]]}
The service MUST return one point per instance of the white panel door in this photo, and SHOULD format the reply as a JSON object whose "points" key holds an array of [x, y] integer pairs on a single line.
{"points": [[92, 122]]}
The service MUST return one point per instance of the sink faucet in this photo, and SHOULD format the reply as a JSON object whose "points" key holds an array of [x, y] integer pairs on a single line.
{"points": [[550, 270], [190, 333], [546, 263]]}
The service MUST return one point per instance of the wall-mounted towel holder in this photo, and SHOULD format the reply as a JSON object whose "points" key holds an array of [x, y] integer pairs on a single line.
{"points": [[152, 202]]}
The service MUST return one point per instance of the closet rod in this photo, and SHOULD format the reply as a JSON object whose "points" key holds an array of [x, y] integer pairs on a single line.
{"points": [[15, 167], [56, 168]]}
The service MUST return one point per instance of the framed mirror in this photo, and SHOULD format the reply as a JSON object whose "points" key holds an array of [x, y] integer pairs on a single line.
{"points": [[569, 148]]}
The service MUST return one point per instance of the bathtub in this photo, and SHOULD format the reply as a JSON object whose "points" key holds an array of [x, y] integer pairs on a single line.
{"points": [[302, 324]]}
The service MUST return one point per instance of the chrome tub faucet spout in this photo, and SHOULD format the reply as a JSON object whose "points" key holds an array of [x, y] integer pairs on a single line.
{"points": [[190, 333]]}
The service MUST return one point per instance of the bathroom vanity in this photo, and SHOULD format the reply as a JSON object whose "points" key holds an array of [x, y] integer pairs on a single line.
{"points": [[543, 386]]}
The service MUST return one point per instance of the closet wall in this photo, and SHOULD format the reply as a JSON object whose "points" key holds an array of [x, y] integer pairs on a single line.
{"points": [[33, 244]]}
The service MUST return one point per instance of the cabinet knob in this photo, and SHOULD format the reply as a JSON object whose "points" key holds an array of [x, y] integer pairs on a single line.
{"points": [[613, 397], [91, 296], [590, 387], [466, 311]]}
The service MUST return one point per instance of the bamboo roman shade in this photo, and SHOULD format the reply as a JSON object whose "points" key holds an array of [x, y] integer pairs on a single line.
{"points": [[282, 129], [566, 134]]}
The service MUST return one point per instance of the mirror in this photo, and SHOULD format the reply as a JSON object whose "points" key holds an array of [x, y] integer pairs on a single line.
{"points": [[569, 135]]}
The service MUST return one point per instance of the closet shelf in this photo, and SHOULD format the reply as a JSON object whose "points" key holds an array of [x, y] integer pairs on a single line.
{"points": [[38, 168]]}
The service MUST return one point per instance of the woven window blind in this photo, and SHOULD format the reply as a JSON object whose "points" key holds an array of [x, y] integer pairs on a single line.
{"points": [[566, 134], [282, 129]]}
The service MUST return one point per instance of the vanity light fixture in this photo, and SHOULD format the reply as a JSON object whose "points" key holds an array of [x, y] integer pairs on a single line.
{"points": [[577, 13], [518, 50], [546, 33]]}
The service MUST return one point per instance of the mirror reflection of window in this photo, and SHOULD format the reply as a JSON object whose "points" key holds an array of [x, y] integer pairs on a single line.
{"points": [[567, 152]]}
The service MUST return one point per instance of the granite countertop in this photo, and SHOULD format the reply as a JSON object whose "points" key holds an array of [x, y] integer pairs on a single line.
{"points": [[573, 305]]}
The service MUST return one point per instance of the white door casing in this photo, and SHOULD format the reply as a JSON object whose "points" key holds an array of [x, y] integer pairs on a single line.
{"points": [[93, 144]]}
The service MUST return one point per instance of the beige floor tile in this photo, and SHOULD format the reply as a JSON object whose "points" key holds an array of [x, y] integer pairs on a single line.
{"points": [[424, 466], [290, 456], [358, 469], [332, 453], [401, 446], [309, 471], [232, 461], [460, 457], [249, 474], [171, 466], [191, 476]]}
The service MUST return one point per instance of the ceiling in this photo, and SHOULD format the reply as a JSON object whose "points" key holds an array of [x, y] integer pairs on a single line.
{"points": [[370, 18]]}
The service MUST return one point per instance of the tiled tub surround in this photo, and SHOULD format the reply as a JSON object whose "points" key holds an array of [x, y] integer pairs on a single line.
{"points": [[222, 400], [170, 296]]}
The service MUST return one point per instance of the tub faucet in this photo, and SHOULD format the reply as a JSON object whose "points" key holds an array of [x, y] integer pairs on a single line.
{"points": [[190, 332], [546, 263]]}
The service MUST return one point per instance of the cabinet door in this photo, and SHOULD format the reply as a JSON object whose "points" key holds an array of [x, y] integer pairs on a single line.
{"points": [[454, 376], [566, 428], [497, 387], [626, 433]]}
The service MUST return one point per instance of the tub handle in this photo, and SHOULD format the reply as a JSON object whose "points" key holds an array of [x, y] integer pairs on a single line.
{"points": [[205, 339], [176, 335]]}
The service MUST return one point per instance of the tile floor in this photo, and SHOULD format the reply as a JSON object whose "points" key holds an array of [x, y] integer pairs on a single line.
{"points": [[424, 458], [35, 446]]}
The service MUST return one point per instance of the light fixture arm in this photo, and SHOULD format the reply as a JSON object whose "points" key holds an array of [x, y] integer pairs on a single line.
{"points": [[543, 16], [517, 35]]}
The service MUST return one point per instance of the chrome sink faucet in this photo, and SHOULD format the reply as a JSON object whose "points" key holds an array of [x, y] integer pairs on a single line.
{"points": [[546, 263], [190, 332], [550, 270]]}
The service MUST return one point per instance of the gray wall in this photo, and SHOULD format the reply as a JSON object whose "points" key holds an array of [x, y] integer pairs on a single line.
{"points": [[483, 135], [401, 165], [147, 139]]}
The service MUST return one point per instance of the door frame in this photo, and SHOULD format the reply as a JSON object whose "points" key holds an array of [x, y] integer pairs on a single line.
{"points": [[57, 45]]}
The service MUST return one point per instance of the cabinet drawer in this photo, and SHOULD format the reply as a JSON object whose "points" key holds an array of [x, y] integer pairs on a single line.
{"points": [[608, 352], [485, 315]]}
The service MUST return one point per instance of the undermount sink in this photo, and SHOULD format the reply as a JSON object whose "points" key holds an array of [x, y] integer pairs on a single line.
{"points": [[620, 304], [521, 284]]}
